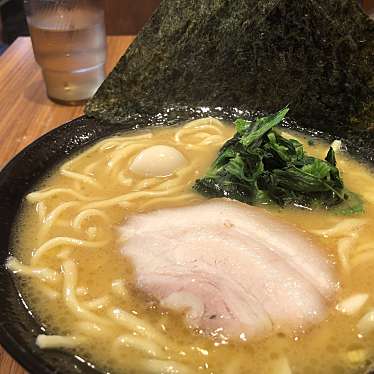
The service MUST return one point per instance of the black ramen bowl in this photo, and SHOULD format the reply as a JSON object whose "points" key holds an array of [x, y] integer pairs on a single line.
{"points": [[19, 327]]}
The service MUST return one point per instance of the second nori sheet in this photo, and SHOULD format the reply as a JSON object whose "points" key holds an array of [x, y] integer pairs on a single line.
{"points": [[315, 55]]}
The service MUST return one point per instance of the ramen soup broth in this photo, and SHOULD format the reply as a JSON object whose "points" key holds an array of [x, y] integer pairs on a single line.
{"points": [[75, 280]]}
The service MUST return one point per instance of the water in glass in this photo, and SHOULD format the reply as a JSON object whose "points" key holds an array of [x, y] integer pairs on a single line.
{"points": [[69, 44]]}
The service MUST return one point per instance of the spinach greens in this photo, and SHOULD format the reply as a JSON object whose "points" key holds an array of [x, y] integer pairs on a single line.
{"points": [[259, 166]]}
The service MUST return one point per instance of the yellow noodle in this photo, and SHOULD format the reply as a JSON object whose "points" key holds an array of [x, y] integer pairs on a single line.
{"points": [[135, 138], [203, 121], [194, 147], [163, 366], [126, 144], [168, 185], [98, 303], [187, 197], [352, 304], [125, 200], [109, 145], [124, 180], [134, 323], [140, 344], [89, 213], [109, 203], [51, 218], [345, 246], [341, 228], [70, 282], [64, 254], [192, 128], [80, 177], [186, 170], [93, 329], [42, 195], [84, 154], [41, 210], [366, 324], [149, 182], [106, 145], [213, 139], [126, 152], [81, 291], [202, 135], [44, 274], [58, 241], [89, 169], [62, 223], [57, 341], [187, 131], [119, 288]]}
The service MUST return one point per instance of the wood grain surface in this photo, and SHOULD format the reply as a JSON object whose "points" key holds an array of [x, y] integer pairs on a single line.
{"points": [[26, 113], [368, 5], [128, 16]]}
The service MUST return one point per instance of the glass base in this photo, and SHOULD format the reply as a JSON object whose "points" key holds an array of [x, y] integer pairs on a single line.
{"points": [[73, 87], [68, 103]]}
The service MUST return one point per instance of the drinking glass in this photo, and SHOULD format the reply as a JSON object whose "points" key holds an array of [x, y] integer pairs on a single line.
{"points": [[68, 39]]}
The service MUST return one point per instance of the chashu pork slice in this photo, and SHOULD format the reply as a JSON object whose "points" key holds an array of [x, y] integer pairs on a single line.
{"points": [[231, 266]]}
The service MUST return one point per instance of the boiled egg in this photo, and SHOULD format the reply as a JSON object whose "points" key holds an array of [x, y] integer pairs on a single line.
{"points": [[158, 161]]}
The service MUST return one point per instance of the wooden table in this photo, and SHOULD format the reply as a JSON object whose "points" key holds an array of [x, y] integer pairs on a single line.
{"points": [[26, 113]]}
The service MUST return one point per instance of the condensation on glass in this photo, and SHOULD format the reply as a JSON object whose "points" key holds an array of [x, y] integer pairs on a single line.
{"points": [[69, 43]]}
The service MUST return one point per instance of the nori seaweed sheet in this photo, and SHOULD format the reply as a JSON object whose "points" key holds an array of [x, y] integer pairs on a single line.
{"points": [[315, 55]]}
